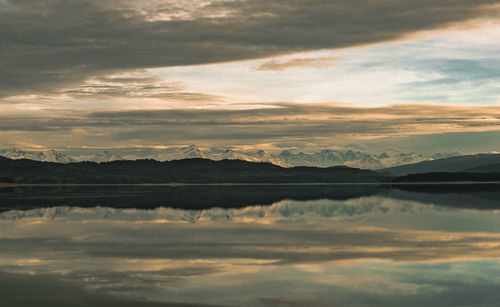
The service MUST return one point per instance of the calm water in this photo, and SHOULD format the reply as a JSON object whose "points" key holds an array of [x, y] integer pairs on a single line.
{"points": [[250, 246]]}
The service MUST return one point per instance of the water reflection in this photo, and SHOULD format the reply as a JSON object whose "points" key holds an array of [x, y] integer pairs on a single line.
{"points": [[373, 249], [185, 197]]}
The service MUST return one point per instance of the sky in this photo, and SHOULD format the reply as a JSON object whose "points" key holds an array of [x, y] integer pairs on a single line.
{"points": [[306, 75]]}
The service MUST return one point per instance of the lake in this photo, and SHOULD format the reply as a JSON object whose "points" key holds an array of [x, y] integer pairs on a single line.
{"points": [[331, 245]]}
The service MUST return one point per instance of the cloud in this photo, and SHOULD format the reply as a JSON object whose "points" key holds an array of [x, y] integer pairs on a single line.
{"points": [[327, 248], [303, 126], [49, 45], [161, 237], [52, 290], [299, 62], [135, 86]]}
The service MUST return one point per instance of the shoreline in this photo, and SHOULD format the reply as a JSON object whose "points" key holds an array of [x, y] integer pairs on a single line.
{"points": [[175, 184]]}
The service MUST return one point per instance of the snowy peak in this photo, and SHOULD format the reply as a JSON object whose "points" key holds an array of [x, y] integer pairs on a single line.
{"points": [[324, 158], [285, 158], [105, 156], [191, 151], [260, 153], [366, 163], [47, 156]]}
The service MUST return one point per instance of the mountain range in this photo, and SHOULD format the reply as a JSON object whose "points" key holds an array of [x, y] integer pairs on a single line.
{"points": [[285, 158], [194, 170], [479, 167]]}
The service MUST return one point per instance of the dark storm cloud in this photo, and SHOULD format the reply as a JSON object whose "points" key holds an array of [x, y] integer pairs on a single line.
{"points": [[48, 45]]}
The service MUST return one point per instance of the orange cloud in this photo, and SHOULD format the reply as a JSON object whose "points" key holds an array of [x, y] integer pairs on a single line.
{"points": [[320, 62]]}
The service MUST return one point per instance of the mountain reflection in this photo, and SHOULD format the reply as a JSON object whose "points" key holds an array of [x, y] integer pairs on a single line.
{"points": [[198, 197], [366, 250]]}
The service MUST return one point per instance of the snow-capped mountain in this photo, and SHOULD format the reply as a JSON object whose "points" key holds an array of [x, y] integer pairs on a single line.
{"points": [[366, 163], [323, 158], [230, 154], [48, 156], [174, 153], [191, 151], [57, 156], [285, 158], [105, 156]]}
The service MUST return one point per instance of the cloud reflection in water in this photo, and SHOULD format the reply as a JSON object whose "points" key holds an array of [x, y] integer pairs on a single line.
{"points": [[364, 251]]}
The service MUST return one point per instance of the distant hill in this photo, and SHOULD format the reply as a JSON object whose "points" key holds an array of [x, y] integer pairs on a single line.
{"points": [[450, 177], [479, 163], [495, 167], [177, 171]]}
